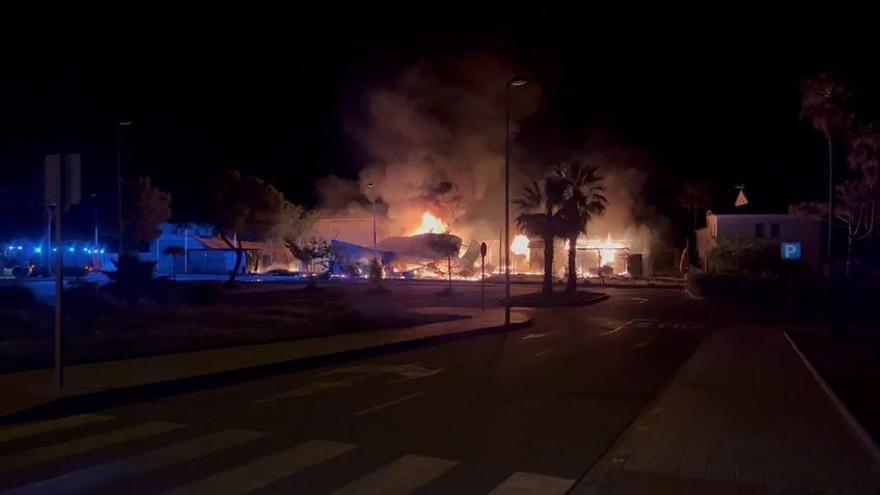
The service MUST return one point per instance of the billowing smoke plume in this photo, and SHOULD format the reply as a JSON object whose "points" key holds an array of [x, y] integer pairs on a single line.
{"points": [[435, 142]]}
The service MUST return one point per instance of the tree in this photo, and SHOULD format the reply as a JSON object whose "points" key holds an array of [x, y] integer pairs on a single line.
{"points": [[583, 198], [539, 205], [696, 196], [864, 156], [446, 246], [294, 223], [858, 212], [245, 208], [174, 252], [825, 101], [314, 250], [148, 208]]}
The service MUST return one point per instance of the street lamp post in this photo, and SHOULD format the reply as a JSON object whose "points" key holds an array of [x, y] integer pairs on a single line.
{"points": [[95, 252], [119, 182], [516, 81], [372, 188]]}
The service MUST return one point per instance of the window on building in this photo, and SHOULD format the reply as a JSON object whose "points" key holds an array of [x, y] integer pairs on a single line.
{"points": [[759, 230], [775, 231]]}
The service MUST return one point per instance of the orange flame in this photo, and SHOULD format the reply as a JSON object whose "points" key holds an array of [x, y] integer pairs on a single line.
{"points": [[431, 225], [520, 245]]}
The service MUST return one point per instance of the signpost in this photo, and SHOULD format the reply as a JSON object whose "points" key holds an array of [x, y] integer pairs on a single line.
{"points": [[483, 250], [790, 252], [60, 193]]}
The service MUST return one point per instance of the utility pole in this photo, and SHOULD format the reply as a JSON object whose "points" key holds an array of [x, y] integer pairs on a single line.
{"points": [[512, 83], [119, 183]]}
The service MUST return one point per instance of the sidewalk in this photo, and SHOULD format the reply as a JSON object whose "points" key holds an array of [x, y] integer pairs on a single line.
{"points": [[19, 391], [744, 416]]}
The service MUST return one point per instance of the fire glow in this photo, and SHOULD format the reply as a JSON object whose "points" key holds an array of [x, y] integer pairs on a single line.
{"points": [[607, 249], [431, 225], [520, 245]]}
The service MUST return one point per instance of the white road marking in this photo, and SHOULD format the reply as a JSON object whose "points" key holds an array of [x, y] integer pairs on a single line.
{"points": [[401, 477], [639, 300], [308, 389], [521, 483], [388, 404], [89, 480], [544, 352], [57, 451], [536, 335], [619, 328], [646, 342], [65, 423], [264, 471]]}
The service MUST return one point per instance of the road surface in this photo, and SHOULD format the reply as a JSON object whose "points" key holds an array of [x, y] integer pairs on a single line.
{"points": [[530, 409]]}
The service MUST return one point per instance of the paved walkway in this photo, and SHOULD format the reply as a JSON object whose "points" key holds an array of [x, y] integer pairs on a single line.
{"points": [[743, 416], [27, 389]]}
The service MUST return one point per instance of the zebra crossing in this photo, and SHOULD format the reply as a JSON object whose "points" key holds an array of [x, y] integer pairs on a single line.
{"points": [[407, 474]]}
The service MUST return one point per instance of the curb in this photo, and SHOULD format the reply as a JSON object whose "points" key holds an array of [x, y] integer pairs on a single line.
{"points": [[863, 436], [152, 391]]}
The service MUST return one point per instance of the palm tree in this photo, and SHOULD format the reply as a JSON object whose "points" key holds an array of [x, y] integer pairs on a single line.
{"points": [[825, 102], [584, 198], [539, 206], [695, 196]]}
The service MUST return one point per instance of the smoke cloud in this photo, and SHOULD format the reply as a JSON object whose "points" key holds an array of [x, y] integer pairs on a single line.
{"points": [[434, 139], [435, 142]]}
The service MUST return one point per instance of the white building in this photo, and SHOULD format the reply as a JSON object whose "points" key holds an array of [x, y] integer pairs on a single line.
{"points": [[763, 228]]}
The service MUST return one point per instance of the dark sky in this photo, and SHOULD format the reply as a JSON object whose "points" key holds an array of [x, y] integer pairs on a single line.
{"points": [[708, 92]]}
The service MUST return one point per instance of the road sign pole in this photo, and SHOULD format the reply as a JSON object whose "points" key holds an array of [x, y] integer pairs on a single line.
{"points": [[483, 250]]}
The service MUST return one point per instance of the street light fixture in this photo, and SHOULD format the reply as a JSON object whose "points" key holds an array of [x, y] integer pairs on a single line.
{"points": [[515, 82]]}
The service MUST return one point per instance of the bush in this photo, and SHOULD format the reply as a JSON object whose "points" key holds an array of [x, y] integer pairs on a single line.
{"points": [[82, 306], [132, 278]]}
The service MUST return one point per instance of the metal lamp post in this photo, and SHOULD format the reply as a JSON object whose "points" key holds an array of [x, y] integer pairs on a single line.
{"points": [[119, 182], [372, 188], [516, 81]]}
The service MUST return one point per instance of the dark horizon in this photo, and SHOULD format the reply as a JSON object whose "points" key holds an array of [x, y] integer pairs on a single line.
{"points": [[705, 93]]}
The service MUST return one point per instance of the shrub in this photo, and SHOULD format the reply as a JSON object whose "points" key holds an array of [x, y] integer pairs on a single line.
{"points": [[132, 278]]}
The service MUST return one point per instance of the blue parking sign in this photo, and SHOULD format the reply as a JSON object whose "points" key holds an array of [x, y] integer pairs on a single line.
{"points": [[790, 251]]}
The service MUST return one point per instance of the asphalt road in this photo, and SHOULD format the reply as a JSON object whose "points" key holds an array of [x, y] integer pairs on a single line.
{"points": [[532, 408]]}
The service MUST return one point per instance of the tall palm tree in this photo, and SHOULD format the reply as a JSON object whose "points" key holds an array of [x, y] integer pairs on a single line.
{"points": [[583, 199], [695, 196], [826, 102], [539, 207]]}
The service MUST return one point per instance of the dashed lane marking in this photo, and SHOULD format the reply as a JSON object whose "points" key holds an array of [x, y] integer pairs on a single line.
{"points": [[617, 329], [544, 352], [388, 404]]}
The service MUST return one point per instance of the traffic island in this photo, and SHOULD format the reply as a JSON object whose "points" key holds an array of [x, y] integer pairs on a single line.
{"points": [[555, 300]]}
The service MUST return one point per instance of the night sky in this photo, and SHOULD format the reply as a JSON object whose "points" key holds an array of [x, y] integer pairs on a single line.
{"points": [[707, 92]]}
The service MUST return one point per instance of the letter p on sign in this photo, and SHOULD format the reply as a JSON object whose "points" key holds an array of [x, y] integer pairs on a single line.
{"points": [[791, 251]]}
